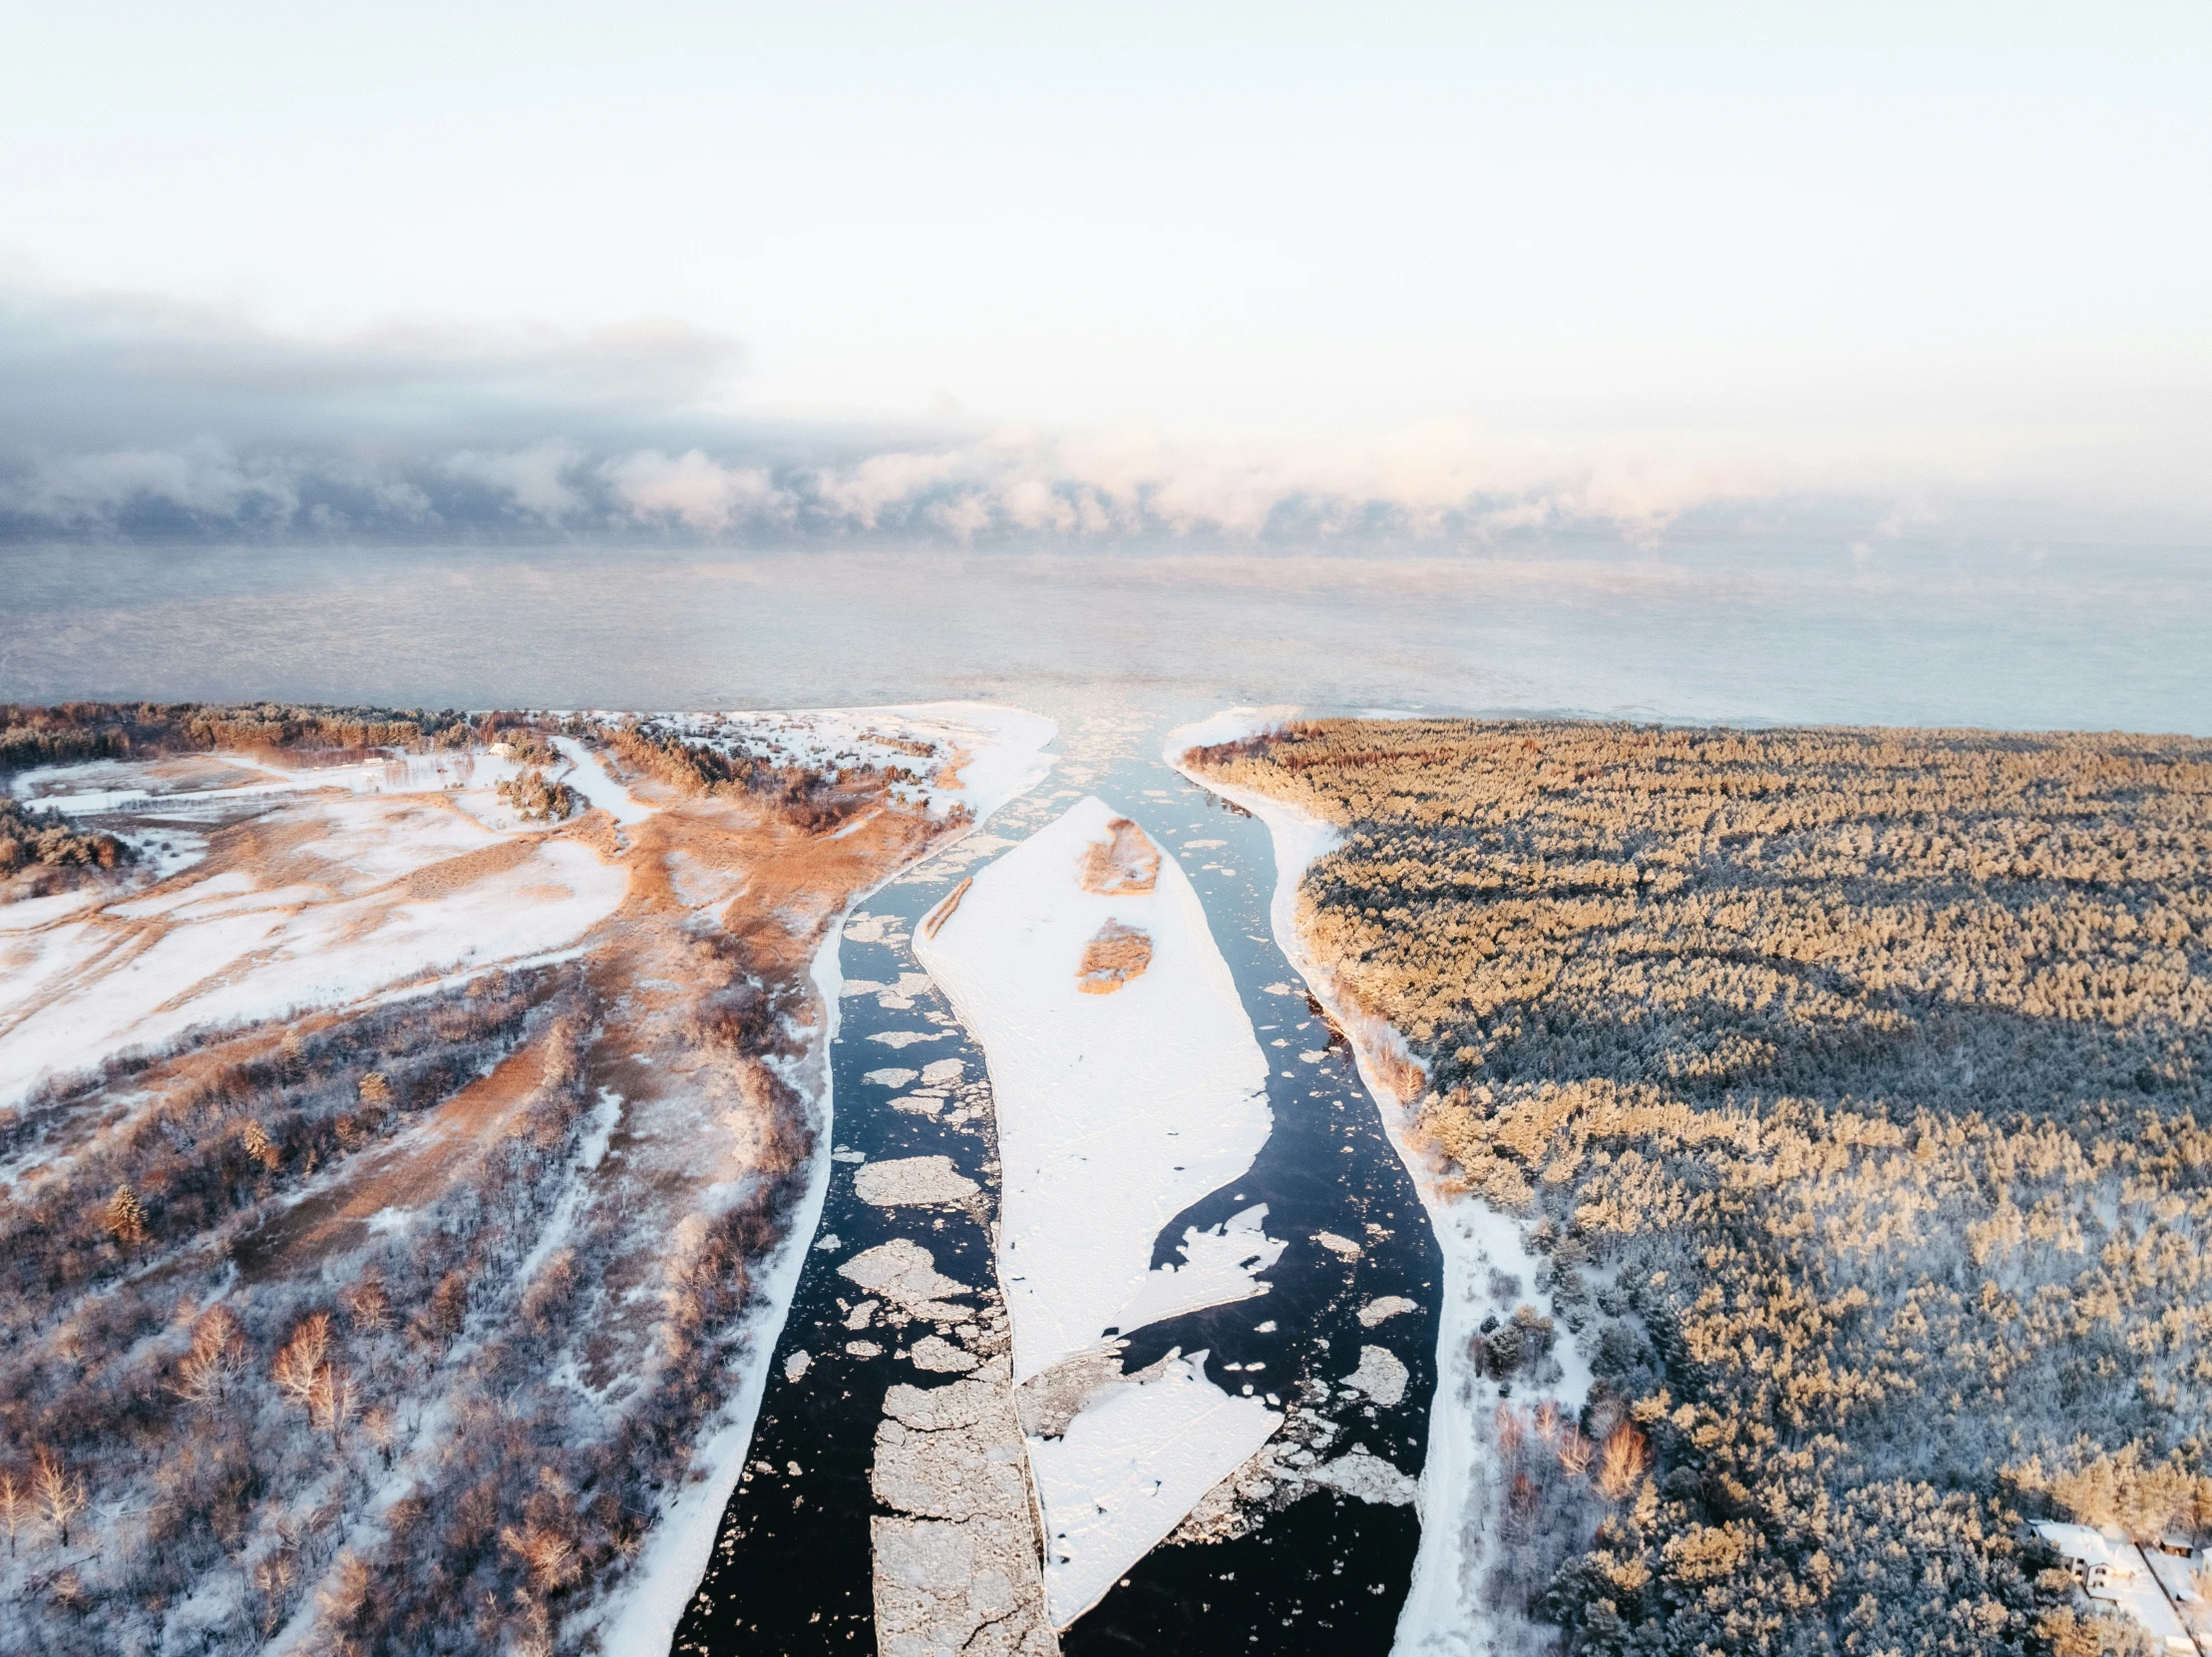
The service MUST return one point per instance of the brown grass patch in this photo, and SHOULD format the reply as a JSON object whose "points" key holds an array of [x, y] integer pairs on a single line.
{"points": [[1125, 862], [1110, 959], [444, 878], [408, 1175]]}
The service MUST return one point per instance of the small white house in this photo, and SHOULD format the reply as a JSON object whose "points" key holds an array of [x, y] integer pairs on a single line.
{"points": [[2110, 1567]]}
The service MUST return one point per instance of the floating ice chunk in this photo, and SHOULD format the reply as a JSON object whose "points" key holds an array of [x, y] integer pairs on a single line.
{"points": [[904, 1271], [937, 1354], [1387, 1307], [1342, 1247], [913, 1181], [943, 1072], [1381, 1376], [908, 1037], [891, 1077], [1132, 1462], [796, 1366], [1358, 1472]]}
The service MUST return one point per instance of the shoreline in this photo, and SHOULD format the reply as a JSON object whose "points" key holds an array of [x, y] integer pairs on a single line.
{"points": [[644, 1613], [1442, 1615]]}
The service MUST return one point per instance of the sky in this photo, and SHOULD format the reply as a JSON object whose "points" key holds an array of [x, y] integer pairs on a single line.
{"points": [[1447, 274]]}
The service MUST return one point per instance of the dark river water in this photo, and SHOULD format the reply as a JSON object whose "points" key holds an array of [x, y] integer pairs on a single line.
{"points": [[1322, 1574]]}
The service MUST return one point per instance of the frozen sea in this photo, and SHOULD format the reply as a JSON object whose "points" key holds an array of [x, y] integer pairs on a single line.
{"points": [[1895, 634]]}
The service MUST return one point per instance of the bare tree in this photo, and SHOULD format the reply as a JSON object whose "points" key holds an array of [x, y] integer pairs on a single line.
{"points": [[61, 1493], [299, 1363], [15, 1504], [217, 1355], [332, 1399], [369, 1306], [1624, 1462]]}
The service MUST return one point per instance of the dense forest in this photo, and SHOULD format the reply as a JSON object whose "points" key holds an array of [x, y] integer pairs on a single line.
{"points": [[72, 732], [1853, 1086]]}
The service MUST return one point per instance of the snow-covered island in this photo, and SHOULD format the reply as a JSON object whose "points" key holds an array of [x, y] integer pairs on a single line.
{"points": [[1129, 1084]]}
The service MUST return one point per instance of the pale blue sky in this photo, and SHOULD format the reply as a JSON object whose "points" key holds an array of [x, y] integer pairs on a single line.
{"points": [[1657, 254]]}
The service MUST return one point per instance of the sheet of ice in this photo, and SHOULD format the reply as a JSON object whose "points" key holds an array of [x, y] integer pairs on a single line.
{"points": [[1444, 1615], [1132, 1462], [1219, 1266], [1115, 1111]]}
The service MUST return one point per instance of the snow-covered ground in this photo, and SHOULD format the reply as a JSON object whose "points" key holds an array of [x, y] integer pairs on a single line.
{"points": [[165, 787], [355, 894], [589, 777], [1443, 1616], [2150, 1587], [1115, 1111]]}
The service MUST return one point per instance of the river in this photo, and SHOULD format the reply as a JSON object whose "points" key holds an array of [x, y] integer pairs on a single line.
{"points": [[1324, 1573]]}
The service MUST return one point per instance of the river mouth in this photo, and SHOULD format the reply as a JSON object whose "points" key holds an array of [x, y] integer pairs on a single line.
{"points": [[1290, 1565]]}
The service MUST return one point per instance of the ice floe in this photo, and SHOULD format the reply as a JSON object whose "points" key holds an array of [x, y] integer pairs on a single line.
{"points": [[1135, 1459], [913, 1181]]}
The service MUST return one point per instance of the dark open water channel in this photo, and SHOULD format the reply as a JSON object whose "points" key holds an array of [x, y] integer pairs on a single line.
{"points": [[1325, 1573]]}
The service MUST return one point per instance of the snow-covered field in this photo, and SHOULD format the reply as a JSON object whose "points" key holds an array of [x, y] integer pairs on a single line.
{"points": [[368, 878], [1115, 1111], [1443, 1614]]}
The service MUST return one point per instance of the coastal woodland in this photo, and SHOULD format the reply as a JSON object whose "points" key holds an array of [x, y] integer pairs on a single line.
{"points": [[1855, 1088]]}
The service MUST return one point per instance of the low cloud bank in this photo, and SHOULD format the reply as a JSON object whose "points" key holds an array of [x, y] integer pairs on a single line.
{"points": [[133, 420]]}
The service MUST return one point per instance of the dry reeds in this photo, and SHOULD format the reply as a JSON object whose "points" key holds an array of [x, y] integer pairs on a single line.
{"points": [[1111, 959], [1125, 861]]}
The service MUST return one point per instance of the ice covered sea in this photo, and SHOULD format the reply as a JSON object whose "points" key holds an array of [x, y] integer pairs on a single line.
{"points": [[1894, 632]]}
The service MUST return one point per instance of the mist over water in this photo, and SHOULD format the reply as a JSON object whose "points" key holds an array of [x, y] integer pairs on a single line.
{"points": [[1896, 635]]}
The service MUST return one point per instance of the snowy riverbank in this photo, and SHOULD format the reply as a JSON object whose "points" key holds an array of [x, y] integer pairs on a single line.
{"points": [[1461, 1479], [1004, 757]]}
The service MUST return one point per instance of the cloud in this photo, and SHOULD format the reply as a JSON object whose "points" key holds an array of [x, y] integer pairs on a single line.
{"points": [[530, 478], [692, 490], [138, 419], [200, 481]]}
